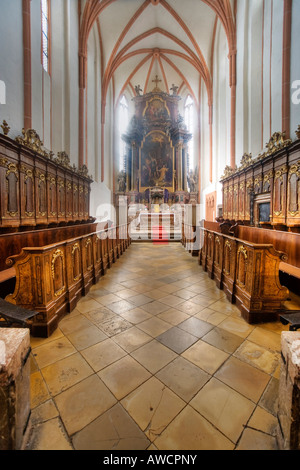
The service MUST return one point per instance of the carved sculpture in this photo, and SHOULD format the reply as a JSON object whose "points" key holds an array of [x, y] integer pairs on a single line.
{"points": [[246, 160], [174, 89], [192, 179], [122, 182], [5, 127], [277, 142], [138, 90]]}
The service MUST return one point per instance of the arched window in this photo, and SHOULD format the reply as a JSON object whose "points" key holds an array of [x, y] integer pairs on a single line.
{"points": [[123, 119], [45, 35], [189, 121]]}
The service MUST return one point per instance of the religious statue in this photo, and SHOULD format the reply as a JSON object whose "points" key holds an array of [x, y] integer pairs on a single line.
{"points": [[138, 90], [122, 182], [174, 89], [192, 179]]}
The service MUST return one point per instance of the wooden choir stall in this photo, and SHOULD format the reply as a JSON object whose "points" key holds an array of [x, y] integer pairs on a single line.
{"points": [[257, 241], [51, 249]]}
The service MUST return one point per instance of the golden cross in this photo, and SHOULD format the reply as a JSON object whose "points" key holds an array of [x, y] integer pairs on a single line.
{"points": [[156, 80]]}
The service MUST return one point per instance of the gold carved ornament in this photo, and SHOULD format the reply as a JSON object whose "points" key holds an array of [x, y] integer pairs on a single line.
{"points": [[243, 250], [57, 254], [228, 171], [5, 127], [246, 160], [276, 142], [32, 140]]}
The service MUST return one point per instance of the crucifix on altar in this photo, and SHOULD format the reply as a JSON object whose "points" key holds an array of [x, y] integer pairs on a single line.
{"points": [[156, 81]]}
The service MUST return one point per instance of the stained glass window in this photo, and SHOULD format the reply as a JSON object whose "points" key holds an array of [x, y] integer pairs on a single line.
{"points": [[123, 124], [45, 34], [189, 121]]}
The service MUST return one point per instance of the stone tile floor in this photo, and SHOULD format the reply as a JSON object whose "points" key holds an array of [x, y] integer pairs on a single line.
{"points": [[156, 358]]}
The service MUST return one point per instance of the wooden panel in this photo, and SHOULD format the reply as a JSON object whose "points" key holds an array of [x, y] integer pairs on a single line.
{"points": [[61, 196], [75, 190], [9, 190], [229, 267], [210, 254], [293, 195], [52, 212], [287, 242], [218, 260], [12, 243], [40, 193], [73, 273], [258, 292], [27, 191]]}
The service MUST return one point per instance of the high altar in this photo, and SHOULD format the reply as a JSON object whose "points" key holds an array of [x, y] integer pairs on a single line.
{"points": [[156, 164]]}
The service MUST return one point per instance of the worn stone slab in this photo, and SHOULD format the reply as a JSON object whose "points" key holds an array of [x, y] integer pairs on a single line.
{"points": [[14, 386], [288, 434]]}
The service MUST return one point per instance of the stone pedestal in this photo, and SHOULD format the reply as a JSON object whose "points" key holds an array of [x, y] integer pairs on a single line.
{"points": [[14, 386], [288, 433]]}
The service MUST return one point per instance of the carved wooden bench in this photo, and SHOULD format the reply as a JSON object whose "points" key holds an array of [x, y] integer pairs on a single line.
{"points": [[247, 272], [51, 279]]}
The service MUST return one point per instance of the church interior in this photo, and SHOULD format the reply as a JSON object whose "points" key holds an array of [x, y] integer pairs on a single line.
{"points": [[149, 225]]}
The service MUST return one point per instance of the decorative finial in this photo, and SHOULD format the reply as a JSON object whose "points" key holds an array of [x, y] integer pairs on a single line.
{"points": [[5, 127]]}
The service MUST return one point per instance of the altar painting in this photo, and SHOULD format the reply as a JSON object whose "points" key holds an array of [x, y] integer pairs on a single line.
{"points": [[157, 164], [156, 110]]}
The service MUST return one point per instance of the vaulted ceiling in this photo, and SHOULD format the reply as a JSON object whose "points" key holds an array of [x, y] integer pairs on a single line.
{"points": [[171, 39]]}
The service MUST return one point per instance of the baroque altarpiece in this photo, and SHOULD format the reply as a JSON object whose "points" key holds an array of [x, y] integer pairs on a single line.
{"points": [[156, 162]]}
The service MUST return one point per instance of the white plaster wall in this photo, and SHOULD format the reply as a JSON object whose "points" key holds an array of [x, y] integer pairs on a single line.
{"points": [[64, 78], [221, 108], [254, 79], [37, 70], [11, 65], [242, 141], [276, 66], [58, 76], [101, 195], [220, 122], [92, 106]]}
